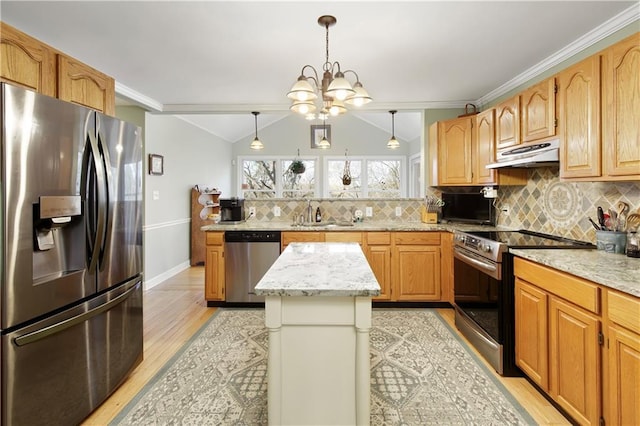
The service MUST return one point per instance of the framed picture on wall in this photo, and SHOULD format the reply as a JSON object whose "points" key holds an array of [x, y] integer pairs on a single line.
{"points": [[156, 164], [318, 132]]}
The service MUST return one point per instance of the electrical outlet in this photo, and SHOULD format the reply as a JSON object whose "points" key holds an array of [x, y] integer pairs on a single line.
{"points": [[276, 211], [505, 209], [398, 211], [368, 211], [156, 195], [252, 211]]}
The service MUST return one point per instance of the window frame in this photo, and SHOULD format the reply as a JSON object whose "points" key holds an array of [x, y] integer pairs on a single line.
{"points": [[364, 173], [278, 172]]}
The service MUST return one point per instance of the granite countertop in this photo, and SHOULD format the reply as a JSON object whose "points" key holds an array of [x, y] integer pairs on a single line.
{"points": [[615, 271], [320, 269], [373, 225]]}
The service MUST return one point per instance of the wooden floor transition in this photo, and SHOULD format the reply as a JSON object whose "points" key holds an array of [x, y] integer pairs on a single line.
{"points": [[175, 309]]}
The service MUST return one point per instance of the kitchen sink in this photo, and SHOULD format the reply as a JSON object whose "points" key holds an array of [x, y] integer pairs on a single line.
{"points": [[328, 224]]}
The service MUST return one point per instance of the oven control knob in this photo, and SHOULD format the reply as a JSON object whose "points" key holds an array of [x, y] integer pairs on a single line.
{"points": [[485, 248], [459, 238]]}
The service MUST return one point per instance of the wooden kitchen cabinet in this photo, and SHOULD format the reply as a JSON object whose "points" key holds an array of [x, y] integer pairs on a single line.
{"points": [[214, 274], [575, 360], [415, 266], [26, 62], [454, 151], [558, 337], [622, 359], [538, 111], [378, 252], [531, 315], [461, 148], [579, 119], [83, 85], [29, 63], [289, 237], [508, 123], [621, 110], [203, 206]]}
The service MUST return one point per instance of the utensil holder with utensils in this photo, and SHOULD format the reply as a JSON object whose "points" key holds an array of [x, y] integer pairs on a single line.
{"points": [[611, 241]]}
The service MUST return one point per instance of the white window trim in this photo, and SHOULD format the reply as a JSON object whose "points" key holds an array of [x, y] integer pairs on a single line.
{"points": [[363, 176], [279, 171]]}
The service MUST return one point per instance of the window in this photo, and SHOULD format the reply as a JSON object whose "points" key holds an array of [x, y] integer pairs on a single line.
{"points": [[262, 178], [357, 177], [371, 177], [258, 178], [298, 185]]}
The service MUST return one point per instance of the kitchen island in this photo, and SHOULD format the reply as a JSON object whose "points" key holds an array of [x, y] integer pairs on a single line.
{"points": [[318, 313]]}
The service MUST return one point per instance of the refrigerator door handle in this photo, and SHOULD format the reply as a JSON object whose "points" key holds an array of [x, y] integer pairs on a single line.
{"points": [[106, 196], [98, 238], [34, 336]]}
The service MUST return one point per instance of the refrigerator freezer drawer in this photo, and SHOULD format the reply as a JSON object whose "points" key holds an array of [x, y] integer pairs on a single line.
{"points": [[60, 369]]}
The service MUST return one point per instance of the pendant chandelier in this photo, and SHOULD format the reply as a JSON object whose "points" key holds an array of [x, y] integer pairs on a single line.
{"points": [[328, 95], [393, 142], [256, 144]]}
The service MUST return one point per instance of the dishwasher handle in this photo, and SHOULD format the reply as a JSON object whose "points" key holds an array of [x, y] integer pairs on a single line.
{"points": [[252, 236]]}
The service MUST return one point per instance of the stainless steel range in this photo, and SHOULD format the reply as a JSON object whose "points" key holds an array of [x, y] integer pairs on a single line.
{"points": [[484, 288]]}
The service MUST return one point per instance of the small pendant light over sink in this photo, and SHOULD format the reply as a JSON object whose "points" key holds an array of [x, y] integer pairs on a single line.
{"points": [[256, 144], [393, 142]]}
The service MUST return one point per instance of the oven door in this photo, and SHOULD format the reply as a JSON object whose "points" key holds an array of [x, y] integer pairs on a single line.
{"points": [[477, 296]]}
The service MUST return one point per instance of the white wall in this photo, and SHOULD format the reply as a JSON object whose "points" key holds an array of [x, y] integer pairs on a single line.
{"points": [[191, 156]]}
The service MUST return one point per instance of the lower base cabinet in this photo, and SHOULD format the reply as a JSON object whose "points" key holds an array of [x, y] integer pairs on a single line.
{"points": [[214, 267], [580, 343]]}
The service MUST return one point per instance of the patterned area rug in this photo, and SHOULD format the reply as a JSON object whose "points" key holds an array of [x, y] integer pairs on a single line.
{"points": [[421, 373]]}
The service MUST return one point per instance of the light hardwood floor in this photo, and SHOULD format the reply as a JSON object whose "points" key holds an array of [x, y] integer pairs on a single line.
{"points": [[175, 309]]}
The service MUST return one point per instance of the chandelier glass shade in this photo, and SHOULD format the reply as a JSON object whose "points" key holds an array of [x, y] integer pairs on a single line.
{"points": [[393, 142], [324, 142], [320, 98], [256, 144]]}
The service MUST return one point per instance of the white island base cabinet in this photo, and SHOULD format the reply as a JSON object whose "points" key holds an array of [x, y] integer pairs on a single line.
{"points": [[318, 360]]}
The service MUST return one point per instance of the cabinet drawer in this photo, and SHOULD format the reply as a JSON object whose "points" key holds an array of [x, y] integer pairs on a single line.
{"points": [[215, 238], [378, 238], [343, 237], [416, 238], [301, 237], [624, 310], [571, 288]]}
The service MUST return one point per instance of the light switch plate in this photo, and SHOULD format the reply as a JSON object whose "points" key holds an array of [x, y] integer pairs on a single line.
{"points": [[156, 195], [368, 211], [276, 211], [398, 211]]}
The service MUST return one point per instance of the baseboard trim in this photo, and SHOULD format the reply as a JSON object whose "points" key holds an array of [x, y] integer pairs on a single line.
{"points": [[149, 284]]}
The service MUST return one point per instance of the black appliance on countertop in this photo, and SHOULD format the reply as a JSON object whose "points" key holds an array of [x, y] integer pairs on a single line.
{"points": [[484, 289], [232, 209], [468, 208]]}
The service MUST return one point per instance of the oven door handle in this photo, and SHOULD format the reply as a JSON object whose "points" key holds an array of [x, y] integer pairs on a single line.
{"points": [[489, 268]]}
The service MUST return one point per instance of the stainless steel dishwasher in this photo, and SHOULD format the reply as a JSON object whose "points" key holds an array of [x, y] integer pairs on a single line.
{"points": [[248, 256]]}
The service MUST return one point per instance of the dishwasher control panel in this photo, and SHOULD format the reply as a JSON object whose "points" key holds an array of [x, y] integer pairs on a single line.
{"points": [[252, 236]]}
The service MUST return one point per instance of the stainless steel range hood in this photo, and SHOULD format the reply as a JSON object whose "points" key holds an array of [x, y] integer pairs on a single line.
{"points": [[529, 155]]}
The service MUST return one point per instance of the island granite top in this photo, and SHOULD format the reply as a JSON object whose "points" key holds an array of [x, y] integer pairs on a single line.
{"points": [[320, 269]]}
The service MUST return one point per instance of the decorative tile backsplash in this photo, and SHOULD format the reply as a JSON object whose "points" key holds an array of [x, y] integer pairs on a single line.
{"points": [[546, 204], [338, 210]]}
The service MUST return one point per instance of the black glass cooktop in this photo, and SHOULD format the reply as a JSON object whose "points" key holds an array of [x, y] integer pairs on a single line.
{"points": [[530, 239]]}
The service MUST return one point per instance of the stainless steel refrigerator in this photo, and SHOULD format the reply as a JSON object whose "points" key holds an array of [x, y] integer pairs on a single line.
{"points": [[70, 257]]}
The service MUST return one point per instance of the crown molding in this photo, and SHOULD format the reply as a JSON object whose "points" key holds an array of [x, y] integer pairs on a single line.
{"points": [[614, 24], [138, 98]]}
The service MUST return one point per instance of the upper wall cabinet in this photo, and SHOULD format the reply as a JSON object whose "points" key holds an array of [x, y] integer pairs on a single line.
{"points": [[454, 151], [599, 110], [484, 147], [34, 65], [579, 113], [26, 62], [621, 109], [538, 111], [508, 123], [83, 85]]}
